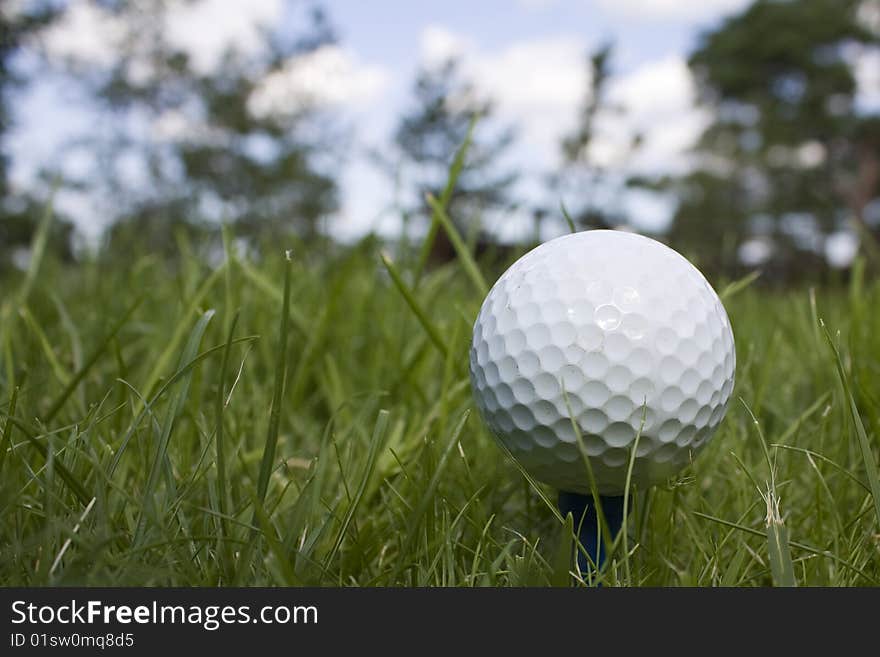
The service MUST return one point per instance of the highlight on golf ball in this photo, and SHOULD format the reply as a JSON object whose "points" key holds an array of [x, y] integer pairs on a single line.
{"points": [[610, 335]]}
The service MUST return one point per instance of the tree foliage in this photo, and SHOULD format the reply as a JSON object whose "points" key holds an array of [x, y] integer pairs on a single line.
{"points": [[580, 174], [18, 211], [212, 153], [788, 157], [428, 136]]}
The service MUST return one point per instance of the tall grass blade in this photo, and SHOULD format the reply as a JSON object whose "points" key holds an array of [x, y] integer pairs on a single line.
{"points": [[862, 436], [430, 490], [563, 559], [732, 289], [464, 255], [781, 566], [454, 172], [6, 439], [69, 478], [146, 406], [220, 451], [55, 365], [268, 459], [568, 220], [93, 358], [414, 305], [376, 442], [275, 548], [174, 409], [173, 343], [795, 544], [37, 249]]}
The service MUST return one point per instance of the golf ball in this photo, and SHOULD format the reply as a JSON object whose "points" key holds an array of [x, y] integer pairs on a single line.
{"points": [[611, 336]]}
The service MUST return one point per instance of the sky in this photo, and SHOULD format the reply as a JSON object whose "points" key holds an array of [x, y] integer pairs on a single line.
{"points": [[528, 55]]}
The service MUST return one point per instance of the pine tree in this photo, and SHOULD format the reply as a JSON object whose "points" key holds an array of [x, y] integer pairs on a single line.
{"points": [[430, 134]]}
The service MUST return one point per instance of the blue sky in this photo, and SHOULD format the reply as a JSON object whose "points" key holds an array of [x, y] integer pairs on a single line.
{"points": [[527, 54], [393, 35], [389, 32]]}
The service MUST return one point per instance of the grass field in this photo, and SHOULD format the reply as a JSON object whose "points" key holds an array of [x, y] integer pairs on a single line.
{"points": [[171, 424]]}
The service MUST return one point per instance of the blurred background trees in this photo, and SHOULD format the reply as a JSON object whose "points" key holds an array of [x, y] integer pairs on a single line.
{"points": [[445, 106], [19, 210], [785, 175], [225, 151], [787, 160], [580, 175]]}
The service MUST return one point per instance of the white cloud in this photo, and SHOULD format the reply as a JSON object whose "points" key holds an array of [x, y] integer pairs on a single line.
{"points": [[329, 76], [658, 103], [867, 72], [437, 45], [207, 29], [686, 10], [536, 84], [539, 85], [85, 34]]}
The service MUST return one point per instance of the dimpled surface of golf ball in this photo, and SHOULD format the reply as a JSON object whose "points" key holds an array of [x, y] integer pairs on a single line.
{"points": [[616, 332]]}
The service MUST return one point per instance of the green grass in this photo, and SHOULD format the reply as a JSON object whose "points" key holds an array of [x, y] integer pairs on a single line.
{"points": [[170, 424]]}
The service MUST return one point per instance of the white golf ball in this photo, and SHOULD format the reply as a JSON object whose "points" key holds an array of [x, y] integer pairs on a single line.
{"points": [[611, 331]]}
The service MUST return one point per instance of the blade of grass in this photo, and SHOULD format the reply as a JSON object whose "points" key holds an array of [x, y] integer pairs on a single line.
{"points": [[562, 561], [815, 455], [173, 343], [732, 289], [268, 457], [627, 491], [430, 490], [601, 521], [454, 172], [72, 481], [146, 406], [795, 544], [778, 548], [278, 390], [220, 449], [58, 370], [174, 409], [38, 249], [6, 441], [375, 442], [413, 304], [567, 217], [734, 568], [864, 445], [268, 532], [464, 255], [274, 292], [77, 378]]}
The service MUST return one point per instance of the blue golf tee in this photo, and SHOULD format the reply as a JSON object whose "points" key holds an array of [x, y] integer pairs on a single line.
{"points": [[583, 510]]}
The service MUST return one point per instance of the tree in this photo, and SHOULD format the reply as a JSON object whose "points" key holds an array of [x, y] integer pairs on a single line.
{"points": [[581, 176], [787, 156], [220, 154], [432, 132], [18, 211]]}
